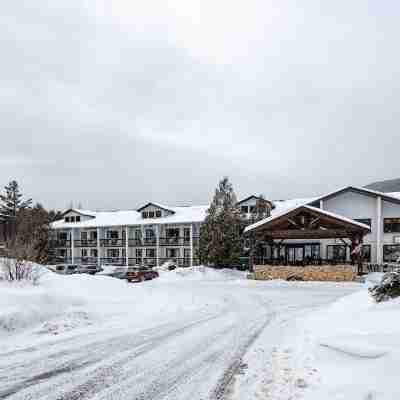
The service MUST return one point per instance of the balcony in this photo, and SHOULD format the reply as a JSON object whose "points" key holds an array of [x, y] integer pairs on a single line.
{"points": [[149, 241], [174, 241], [85, 243], [60, 243], [113, 261], [112, 242]]}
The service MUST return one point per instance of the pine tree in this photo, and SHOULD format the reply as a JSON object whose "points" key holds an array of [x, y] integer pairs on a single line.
{"points": [[220, 243], [11, 202]]}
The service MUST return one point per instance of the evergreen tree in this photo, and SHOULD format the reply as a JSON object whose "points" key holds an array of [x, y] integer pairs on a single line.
{"points": [[11, 202], [220, 243]]}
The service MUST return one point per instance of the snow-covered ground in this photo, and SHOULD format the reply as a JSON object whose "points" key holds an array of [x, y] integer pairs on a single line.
{"points": [[191, 334]]}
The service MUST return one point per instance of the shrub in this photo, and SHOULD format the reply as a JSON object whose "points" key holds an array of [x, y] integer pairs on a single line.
{"points": [[389, 288]]}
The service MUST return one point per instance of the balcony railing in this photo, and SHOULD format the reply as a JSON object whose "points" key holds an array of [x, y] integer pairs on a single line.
{"points": [[59, 243], [113, 260], [85, 243], [85, 260], [112, 242]]}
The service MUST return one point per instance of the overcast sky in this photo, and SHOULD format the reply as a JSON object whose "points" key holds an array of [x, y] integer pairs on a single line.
{"points": [[114, 103]]}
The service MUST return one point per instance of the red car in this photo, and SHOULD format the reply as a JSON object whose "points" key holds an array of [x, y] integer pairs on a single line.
{"points": [[141, 274]]}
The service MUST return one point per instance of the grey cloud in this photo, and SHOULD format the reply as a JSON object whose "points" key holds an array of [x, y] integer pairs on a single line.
{"points": [[112, 115]]}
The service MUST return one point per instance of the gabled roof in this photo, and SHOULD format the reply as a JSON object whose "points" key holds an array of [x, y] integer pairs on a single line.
{"points": [[367, 192], [155, 205], [180, 215], [85, 213], [253, 197], [274, 219]]}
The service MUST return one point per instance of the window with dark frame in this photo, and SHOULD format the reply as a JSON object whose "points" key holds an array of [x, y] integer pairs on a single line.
{"points": [[78, 218], [151, 214], [366, 253], [158, 214], [112, 253], [391, 225], [391, 253], [336, 252], [145, 214], [84, 253], [244, 209], [150, 253], [66, 219]]}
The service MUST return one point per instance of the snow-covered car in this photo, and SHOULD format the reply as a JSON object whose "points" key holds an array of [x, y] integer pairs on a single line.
{"points": [[141, 274], [113, 271], [90, 269], [169, 265], [65, 269]]}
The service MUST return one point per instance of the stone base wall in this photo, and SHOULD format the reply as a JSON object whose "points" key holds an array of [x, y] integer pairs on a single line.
{"points": [[334, 273]]}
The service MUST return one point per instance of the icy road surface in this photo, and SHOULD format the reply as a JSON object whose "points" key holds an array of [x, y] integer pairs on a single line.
{"points": [[178, 337]]}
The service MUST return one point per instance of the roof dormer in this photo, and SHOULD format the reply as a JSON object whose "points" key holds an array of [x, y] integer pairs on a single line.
{"points": [[152, 210]]}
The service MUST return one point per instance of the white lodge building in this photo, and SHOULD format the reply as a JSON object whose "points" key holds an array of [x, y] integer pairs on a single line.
{"points": [[154, 234], [149, 236]]}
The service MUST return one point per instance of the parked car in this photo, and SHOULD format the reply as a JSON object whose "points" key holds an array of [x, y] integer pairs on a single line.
{"points": [[141, 274], [90, 269], [113, 271], [65, 269]]}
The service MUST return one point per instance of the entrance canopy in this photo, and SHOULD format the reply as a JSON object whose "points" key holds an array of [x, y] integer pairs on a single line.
{"points": [[306, 222]]}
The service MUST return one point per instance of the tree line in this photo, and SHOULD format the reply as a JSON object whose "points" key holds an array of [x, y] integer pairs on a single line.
{"points": [[24, 229]]}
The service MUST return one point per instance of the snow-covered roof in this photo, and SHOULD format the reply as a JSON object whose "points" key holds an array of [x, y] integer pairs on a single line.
{"points": [[284, 211], [395, 197], [89, 213], [132, 217]]}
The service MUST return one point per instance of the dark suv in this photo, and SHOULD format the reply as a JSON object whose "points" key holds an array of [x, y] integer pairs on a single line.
{"points": [[141, 274]]}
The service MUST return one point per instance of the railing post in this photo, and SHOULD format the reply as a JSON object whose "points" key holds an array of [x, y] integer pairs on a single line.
{"points": [[191, 245], [157, 243], [126, 247], [72, 246]]}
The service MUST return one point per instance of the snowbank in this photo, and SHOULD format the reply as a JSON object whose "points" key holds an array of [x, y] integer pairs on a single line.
{"points": [[354, 345], [201, 273], [62, 303]]}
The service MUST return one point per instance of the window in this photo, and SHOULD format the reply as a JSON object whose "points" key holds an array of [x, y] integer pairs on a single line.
{"points": [[391, 253], [84, 252], [93, 235], [337, 252], [150, 253], [112, 234], [63, 236], [365, 221], [66, 219], [145, 214], [158, 213], [252, 209], [186, 234], [138, 253], [149, 234], [366, 253], [83, 235], [391, 225], [112, 253], [78, 218], [93, 253], [151, 214], [172, 253], [244, 209]]}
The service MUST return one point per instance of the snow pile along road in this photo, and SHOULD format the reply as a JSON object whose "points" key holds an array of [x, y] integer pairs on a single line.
{"points": [[347, 350]]}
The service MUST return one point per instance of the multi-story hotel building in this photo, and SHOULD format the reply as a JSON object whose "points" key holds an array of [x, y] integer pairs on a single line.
{"points": [[149, 236], [154, 234]]}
